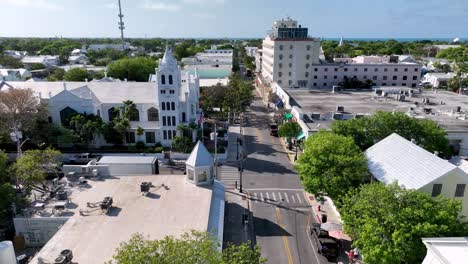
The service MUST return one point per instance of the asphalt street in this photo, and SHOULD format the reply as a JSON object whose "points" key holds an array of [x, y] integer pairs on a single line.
{"points": [[281, 212]]}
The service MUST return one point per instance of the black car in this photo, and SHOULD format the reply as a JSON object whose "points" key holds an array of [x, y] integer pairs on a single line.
{"points": [[329, 247], [274, 130]]}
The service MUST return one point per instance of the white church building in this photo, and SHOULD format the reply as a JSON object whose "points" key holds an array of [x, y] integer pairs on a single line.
{"points": [[161, 105]]}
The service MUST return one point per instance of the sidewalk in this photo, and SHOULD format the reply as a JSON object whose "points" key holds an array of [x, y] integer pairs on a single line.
{"points": [[237, 219], [328, 208]]}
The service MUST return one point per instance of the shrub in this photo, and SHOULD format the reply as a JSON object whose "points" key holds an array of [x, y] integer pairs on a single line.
{"points": [[140, 145], [158, 149]]}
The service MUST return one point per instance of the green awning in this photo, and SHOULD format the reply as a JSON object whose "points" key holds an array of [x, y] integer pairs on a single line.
{"points": [[300, 136], [288, 116]]}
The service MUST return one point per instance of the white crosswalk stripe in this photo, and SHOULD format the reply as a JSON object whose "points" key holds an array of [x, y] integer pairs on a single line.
{"points": [[267, 196], [299, 198], [261, 195], [286, 197], [280, 198], [255, 198], [293, 199], [274, 197], [229, 175]]}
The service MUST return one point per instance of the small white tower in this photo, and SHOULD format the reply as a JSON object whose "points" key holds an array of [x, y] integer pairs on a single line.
{"points": [[199, 166], [341, 42]]}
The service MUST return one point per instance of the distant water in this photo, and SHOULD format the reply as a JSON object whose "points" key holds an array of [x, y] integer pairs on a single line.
{"points": [[397, 39]]}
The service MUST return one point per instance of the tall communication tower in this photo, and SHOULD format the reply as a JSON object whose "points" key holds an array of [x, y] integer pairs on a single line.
{"points": [[121, 26]]}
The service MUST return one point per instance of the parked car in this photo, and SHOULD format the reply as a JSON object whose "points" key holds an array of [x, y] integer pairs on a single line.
{"points": [[274, 130], [328, 246]]}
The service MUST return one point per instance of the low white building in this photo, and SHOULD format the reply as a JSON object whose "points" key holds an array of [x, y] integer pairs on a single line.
{"points": [[438, 79], [78, 59], [251, 51], [395, 159], [14, 74], [15, 54], [446, 250], [47, 60], [98, 47], [172, 99]]}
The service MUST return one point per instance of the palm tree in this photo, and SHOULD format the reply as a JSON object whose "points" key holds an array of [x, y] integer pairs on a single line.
{"points": [[122, 121]]}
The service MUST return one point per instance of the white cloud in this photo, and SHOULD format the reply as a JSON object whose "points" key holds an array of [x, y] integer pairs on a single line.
{"points": [[33, 4], [160, 6]]}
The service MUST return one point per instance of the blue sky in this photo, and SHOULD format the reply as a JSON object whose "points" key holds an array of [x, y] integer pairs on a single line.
{"points": [[234, 18]]}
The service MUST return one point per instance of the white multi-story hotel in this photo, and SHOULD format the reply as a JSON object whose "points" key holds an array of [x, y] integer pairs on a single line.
{"points": [[288, 52], [169, 100], [292, 59]]}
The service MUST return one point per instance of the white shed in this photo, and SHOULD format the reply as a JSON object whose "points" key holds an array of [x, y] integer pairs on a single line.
{"points": [[131, 165], [199, 165]]}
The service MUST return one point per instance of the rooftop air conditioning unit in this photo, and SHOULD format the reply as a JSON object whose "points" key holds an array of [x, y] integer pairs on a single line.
{"points": [[340, 108]]}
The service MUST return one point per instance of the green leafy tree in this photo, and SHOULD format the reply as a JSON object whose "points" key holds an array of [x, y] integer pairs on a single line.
{"points": [[133, 69], [331, 163], [388, 222], [33, 166], [182, 144], [7, 197], [442, 67], [194, 247], [3, 166], [121, 123], [57, 75], [367, 131], [86, 127], [76, 75], [37, 66], [290, 130], [9, 62]]}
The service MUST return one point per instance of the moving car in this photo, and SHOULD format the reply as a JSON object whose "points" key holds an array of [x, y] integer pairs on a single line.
{"points": [[328, 246]]}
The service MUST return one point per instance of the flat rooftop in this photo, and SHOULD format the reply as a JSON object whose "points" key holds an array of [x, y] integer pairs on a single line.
{"points": [[367, 102], [93, 236]]}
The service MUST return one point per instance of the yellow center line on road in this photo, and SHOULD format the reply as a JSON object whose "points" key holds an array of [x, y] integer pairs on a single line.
{"points": [[285, 239]]}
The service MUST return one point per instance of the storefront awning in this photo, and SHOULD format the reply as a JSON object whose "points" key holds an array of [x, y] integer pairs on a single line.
{"points": [[300, 136], [288, 116]]}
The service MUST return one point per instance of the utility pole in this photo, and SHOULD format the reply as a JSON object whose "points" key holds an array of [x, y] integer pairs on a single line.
{"points": [[241, 160], [121, 26]]}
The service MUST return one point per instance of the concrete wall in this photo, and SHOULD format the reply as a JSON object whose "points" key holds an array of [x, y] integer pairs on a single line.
{"points": [[37, 231], [449, 183]]}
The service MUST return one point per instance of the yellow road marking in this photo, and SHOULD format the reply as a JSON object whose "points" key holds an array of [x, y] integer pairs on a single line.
{"points": [[285, 239]]}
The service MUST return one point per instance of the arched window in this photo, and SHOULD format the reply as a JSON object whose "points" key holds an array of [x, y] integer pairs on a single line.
{"points": [[163, 106], [66, 115], [113, 113], [163, 79], [173, 106], [153, 114], [134, 115], [170, 79], [168, 106]]}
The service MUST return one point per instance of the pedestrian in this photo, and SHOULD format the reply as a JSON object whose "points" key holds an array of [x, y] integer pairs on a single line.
{"points": [[351, 256], [319, 207], [356, 253]]}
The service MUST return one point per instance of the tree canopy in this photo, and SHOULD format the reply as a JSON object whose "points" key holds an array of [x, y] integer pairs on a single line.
{"points": [[194, 247], [367, 131], [76, 75], [234, 98], [33, 166], [388, 222], [133, 69], [331, 163]]}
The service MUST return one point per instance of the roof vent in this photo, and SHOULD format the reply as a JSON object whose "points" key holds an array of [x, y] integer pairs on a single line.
{"points": [[413, 141], [340, 108]]}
